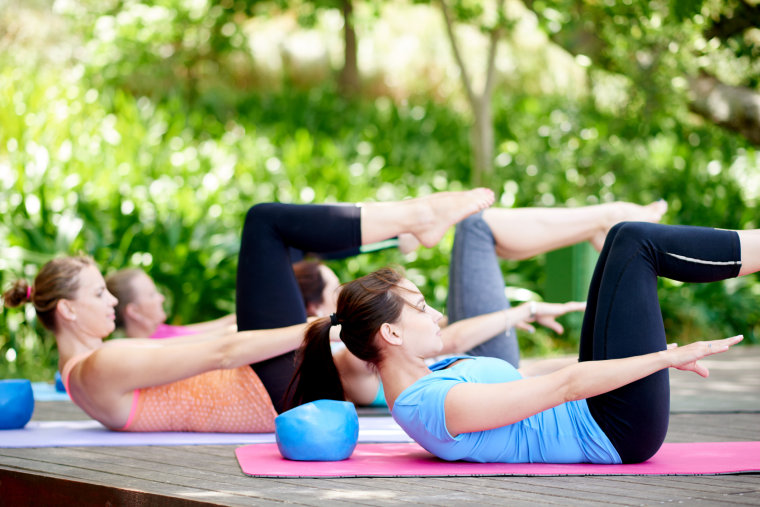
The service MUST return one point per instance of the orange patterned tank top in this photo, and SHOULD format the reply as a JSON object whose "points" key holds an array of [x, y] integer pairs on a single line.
{"points": [[221, 401]]}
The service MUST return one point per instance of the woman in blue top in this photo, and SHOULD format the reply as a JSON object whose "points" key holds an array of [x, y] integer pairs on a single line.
{"points": [[610, 407]]}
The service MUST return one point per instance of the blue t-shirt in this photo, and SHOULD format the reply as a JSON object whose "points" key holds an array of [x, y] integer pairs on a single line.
{"points": [[564, 434]]}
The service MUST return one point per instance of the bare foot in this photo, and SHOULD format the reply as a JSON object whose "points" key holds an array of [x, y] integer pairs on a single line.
{"points": [[626, 211], [436, 213]]}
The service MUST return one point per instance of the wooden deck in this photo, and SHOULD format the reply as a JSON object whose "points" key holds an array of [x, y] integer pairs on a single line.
{"points": [[724, 407]]}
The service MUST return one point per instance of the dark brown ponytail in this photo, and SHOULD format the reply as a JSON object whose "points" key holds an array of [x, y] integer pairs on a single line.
{"points": [[364, 305], [316, 377]]}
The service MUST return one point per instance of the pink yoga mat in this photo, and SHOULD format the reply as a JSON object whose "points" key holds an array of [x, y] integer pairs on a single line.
{"points": [[410, 460]]}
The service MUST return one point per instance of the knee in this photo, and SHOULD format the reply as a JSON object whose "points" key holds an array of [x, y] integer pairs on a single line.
{"points": [[473, 224], [631, 231], [259, 214]]}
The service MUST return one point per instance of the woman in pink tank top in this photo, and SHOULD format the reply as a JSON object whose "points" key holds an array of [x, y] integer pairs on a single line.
{"points": [[140, 311]]}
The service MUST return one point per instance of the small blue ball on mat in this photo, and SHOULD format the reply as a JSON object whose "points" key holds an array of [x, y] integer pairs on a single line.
{"points": [[16, 403], [322, 430]]}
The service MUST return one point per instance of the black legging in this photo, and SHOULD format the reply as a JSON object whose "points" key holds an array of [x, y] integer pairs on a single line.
{"points": [[623, 319], [268, 295]]}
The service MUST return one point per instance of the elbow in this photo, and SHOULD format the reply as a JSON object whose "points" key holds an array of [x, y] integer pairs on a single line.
{"points": [[570, 390]]}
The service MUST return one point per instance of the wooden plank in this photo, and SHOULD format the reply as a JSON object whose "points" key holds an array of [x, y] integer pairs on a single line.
{"points": [[662, 490], [22, 489], [570, 489], [672, 490], [186, 482]]}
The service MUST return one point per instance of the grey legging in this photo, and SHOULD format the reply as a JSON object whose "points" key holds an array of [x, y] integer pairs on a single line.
{"points": [[476, 286]]}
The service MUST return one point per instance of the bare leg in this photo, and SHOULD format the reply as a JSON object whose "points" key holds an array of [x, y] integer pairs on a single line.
{"points": [[522, 233], [750, 245], [426, 218]]}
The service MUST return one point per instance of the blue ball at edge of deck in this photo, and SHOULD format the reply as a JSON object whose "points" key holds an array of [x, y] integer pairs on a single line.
{"points": [[59, 383], [322, 430], [16, 403]]}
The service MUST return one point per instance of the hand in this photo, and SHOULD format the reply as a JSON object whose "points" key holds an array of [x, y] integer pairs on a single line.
{"points": [[546, 314], [686, 358]]}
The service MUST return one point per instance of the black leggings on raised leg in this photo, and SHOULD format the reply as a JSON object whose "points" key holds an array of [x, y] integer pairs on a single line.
{"points": [[623, 319], [267, 291]]}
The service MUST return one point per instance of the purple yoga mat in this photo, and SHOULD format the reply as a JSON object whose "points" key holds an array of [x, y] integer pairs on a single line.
{"points": [[92, 433], [410, 460]]}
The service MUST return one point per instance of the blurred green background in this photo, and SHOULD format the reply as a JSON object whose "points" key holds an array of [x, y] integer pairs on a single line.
{"points": [[140, 132]]}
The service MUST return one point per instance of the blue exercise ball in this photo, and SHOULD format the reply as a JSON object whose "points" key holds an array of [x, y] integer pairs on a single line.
{"points": [[16, 403], [322, 430]]}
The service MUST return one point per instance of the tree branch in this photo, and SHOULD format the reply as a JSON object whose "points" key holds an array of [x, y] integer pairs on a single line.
{"points": [[732, 107], [466, 81], [495, 35]]}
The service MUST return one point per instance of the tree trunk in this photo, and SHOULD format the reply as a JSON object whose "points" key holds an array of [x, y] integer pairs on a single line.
{"points": [[732, 107], [348, 81], [481, 131], [481, 141]]}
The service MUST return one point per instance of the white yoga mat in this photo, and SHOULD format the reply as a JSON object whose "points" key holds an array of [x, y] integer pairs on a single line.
{"points": [[92, 433]]}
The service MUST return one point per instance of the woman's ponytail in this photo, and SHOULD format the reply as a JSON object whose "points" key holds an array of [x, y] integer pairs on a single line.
{"points": [[19, 293], [316, 377]]}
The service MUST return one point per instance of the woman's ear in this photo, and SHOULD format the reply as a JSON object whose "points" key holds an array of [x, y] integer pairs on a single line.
{"points": [[65, 309], [390, 334], [131, 312]]}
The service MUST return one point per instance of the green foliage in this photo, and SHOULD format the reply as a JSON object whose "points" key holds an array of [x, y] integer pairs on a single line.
{"points": [[185, 46], [685, 9]]}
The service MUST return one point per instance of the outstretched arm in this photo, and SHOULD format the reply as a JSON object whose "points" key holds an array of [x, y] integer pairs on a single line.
{"points": [[468, 333], [476, 407], [125, 365]]}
